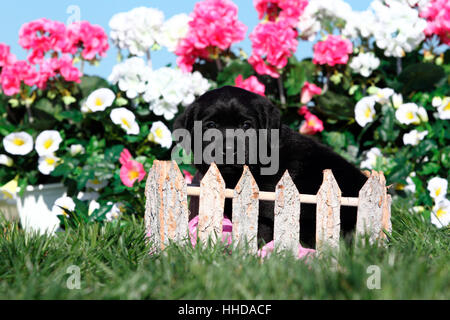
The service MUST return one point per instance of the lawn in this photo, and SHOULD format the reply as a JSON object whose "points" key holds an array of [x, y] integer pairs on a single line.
{"points": [[114, 264]]}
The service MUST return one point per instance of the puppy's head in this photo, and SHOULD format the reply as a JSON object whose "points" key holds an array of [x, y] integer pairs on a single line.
{"points": [[228, 108]]}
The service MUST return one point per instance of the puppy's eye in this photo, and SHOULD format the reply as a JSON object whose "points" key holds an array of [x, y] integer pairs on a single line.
{"points": [[247, 125], [210, 125]]}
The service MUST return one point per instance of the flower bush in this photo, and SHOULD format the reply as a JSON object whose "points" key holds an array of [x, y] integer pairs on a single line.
{"points": [[375, 89]]}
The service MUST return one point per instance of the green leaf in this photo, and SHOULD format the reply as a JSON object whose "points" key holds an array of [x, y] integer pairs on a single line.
{"points": [[421, 77], [91, 83], [112, 154], [232, 70], [335, 106]]}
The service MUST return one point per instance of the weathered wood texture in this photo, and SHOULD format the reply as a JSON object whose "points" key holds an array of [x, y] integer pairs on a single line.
{"points": [[373, 208], [328, 209], [212, 201], [245, 212], [166, 210], [166, 214], [286, 234]]}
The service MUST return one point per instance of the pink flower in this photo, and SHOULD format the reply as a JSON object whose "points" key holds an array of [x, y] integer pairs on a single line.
{"points": [[272, 44], [226, 231], [6, 57], [437, 14], [187, 177], [50, 68], [308, 91], [131, 170], [40, 36], [92, 39], [269, 247], [13, 74], [334, 50], [312, 123], [251, 84], [214, 27], [288, 10], [68, 71]]}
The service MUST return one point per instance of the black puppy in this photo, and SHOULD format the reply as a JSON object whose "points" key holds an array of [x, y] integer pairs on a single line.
{"points": [[304, 158]]}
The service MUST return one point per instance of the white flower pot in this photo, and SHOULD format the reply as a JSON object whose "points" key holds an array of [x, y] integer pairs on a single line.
{"points": [[34, 207]]}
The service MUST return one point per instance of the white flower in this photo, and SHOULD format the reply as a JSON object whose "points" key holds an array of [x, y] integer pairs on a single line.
{"points": [[136, 30], [130, 76], [382, 95], [76, 149], [96, 184], [443, 106], [397, 28], [173, 30], [407, 113], [47, 163], [116, 211], [5, 160], [62, 203], [397, 100], [437, 187], [100, 99], [414, 137], [160, 134], [18, 143], [365, 63], [9, 190], [365, 111], [88, 196], [410, 185], [93, 205], [440, 216], [168, 88], [47, 142], [371, 158], [126, 119]]}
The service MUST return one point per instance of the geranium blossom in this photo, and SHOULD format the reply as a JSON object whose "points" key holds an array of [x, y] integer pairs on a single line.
{"points": [[214, 26], [251, 84], [437, 14], [18, 143], [6, 57], [13, 74], [309, 90], [131, 170], [288, 10], [131, 76], [272, 44], [47, 142], [173, 30], [92, 40], [364, 63], [136, 30], [312, 123], [332, 51]]}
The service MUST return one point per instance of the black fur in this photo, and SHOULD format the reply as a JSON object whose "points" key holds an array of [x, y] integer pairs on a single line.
{"points": [[302, 156]]}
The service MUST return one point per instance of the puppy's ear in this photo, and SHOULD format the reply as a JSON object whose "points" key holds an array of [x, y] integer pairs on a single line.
{"points": [[187, 118], [270, 117]]}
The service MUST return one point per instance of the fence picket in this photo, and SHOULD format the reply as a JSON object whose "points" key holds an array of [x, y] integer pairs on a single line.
{"points": [[212, 201], [372, 200], [287, 215], [245, 211], [328, 221]]}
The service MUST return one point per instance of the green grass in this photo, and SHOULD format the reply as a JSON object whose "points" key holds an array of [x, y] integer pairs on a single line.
{"points": [[114, 264]]}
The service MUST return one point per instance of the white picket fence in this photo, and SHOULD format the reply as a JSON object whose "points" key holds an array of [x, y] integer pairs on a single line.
{"points": [[166, 214]]}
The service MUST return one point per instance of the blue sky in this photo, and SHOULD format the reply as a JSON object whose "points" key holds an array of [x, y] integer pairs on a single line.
{"points": [[14, 13]]}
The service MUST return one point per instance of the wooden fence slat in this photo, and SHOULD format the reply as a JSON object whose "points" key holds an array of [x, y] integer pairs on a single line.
{"points": [[372, 200], [287, 215], [328, 220], [153, 192], [245, 211], [211, 206], [176, 214]]}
